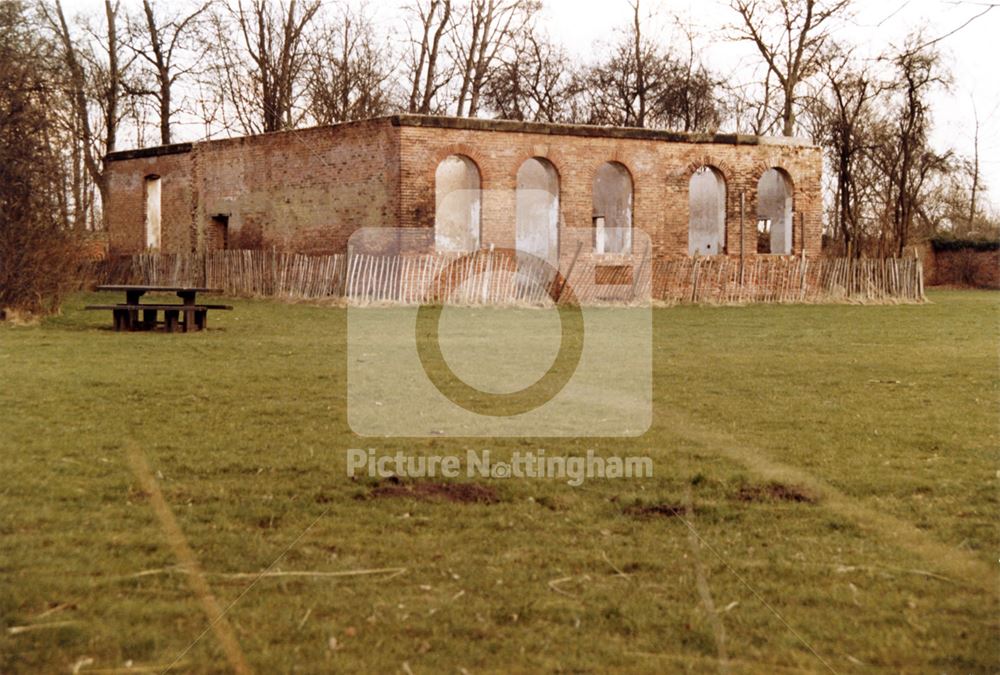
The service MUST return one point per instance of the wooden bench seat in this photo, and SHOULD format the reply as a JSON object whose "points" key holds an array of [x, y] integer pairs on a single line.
{"points": [[166, 306], [126, 316]]}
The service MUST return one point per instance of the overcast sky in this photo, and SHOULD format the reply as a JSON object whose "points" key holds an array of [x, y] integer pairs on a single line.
{"points": [[971, 53]]}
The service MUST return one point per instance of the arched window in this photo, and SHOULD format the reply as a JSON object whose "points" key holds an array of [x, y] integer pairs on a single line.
{"points": [[774, 213], [707, 212], [612, 209], [538, 209], [457, 204]]}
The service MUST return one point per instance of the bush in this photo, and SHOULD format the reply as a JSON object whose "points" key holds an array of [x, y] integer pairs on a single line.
{"points": [[960, 244], [39, 258], [38, 267]]}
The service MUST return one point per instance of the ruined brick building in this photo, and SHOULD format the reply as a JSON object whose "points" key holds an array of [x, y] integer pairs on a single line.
{"points": [[478, 183]]}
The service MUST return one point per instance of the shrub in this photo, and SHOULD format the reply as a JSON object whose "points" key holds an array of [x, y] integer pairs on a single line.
{"points": [[960, 244], [39, 258]]}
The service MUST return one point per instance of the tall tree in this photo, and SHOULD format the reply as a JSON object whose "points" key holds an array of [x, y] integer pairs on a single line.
{"points": [[640, 84], [790, 36], [750, 105], [349, 73], [908, 160], [427, 72], [846, 115], [158, 40], [262, 52], [534, 82], [974, 168], [688, 95], [93, 78], [486, 29]]}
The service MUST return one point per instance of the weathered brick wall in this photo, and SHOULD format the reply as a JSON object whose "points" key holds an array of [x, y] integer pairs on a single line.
{"points": [[126, 210], [660, 170], [308, 190], [305, 190], [962, 267]]}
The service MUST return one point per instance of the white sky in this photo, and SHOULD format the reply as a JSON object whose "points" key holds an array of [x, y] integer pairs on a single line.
{"points": [[581, 25]]}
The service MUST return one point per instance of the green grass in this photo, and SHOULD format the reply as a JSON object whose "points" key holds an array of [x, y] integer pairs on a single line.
{"points": [[887, 414]]}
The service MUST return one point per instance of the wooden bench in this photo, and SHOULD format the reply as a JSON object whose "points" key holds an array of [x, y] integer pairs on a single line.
{"points": [[126, 316]]}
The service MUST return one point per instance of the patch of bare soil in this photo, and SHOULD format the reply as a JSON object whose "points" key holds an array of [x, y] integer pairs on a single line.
{"points": [[654, 510], [775, 492], [459, 493]]}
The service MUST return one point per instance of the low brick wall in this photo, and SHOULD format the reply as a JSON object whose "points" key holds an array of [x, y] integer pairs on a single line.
{"points": [[963, 267]]}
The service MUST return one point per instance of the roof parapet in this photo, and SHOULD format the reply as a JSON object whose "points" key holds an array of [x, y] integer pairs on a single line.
{"points": [[508, 126], [154, 151], [589, 130]]}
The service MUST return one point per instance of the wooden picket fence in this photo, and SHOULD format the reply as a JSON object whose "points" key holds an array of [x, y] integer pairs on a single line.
{"points": [[494, 277], [788, 279]]}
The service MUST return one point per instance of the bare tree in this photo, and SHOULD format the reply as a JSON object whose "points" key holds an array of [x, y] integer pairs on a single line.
{"points": [[944, 208], [846, 119], [91, 77], [907, 159], [158, 41], [750, 105], [790, 36], [426, 74], [349, 74], [974, 168], [688, 95], [618, 88], [534, 82], [639, 84], [262, 50], [485, 31]]}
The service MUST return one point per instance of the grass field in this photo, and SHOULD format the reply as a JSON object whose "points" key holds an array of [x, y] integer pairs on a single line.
{"points": [[825, 498]]}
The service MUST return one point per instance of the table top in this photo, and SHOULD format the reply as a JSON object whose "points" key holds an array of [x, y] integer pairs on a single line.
{"points": [[165, 289]]}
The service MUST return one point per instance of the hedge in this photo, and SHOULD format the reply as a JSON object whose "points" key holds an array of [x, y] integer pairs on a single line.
{"points": [[954, 244]]}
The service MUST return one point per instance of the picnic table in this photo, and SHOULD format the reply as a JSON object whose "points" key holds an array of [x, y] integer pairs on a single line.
{"points": [[187, 315]]}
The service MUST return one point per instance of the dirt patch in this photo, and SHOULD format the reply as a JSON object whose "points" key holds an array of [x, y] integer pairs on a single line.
{"points": [[135, 494], [775, 492], [654, 510], [460, 493], [268, 522]]}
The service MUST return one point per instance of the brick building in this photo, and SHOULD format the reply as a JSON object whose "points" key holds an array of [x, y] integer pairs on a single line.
{"points": [[476, 182]]}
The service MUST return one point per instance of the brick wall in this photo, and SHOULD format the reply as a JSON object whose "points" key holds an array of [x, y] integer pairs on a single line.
{"points": [[304, 190], [308, 190], [126, 210], [962, 267], [660, 170]]}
